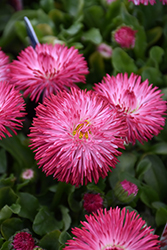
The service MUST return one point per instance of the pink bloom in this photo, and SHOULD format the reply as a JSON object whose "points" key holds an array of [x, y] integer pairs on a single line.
{"points": [[23, 241], [140, 102], [11, 105], [47, 69], [125, 36], [145, 2], [105, 50], [4, 66], [28, 174], [110, 1], [129, 187], [92, 202], [113, 230], [76, 135]]}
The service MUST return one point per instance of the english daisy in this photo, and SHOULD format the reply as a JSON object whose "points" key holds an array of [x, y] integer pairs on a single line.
{"points": [[140, 102], [11, 106], [76, 135], [23, 241], [113, 230], [47, 69]]}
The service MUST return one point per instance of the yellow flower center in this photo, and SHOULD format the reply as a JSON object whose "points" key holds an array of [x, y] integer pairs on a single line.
{"points": [[82, 130]]}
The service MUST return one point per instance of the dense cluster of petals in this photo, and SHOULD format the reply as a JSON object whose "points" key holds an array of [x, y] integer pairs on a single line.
{"points": [[11, 109], [23, 241], [92, 202], [113, 230], [76, 135], [125, 37], [4, 66], [140, 102], [47, 69]]}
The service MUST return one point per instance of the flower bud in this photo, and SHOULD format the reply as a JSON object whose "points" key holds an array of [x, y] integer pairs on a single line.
{"points": [[92, 202], [125, 36], [105, 50], [125, 191]]}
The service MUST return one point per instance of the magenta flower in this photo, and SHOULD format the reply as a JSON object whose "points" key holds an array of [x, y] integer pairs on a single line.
{"points": [[23, 241], [105, 50], [12, 105], [47, 69], [125, 36], [92, 202], [76, 135], [140, 102], [4, 66], [163, 239], [113, 230], [125, 191]]}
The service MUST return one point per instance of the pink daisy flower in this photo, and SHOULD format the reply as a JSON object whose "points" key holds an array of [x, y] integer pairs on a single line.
{"points": [[23, 241], [125, 36], [105, 50], [76, 135], [164, 2], [92, 202], [140, 102], [11, 104], [47, 69], [113, 230], [4, 66]]}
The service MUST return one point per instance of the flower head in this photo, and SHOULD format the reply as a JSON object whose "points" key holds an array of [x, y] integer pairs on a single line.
{"points": [[125, 36], [105, 50], [47, 69], [28, 174], [92, 202], [76, 135], [113, 230], [4, 66], [23, 241], [125, 191], [11, 107], [163, 239], [140, 102]]}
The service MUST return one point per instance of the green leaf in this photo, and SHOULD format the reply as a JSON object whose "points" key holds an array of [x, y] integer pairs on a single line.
{"points": [[153, 75], [51, 240], [7, 196], [29, 205], [93, 16], [3, 161], [148, 195], [161, 216], [47, 5], [153, 35], [126, 164], [9, 181], [159, 148], [10, 226], [156, 176], [122, 62], [64, 236], [156, 54], [65, 217], [142, 167], [159, 204], [93, 35], [45, 222], [73, 7], [6, 245], [18, 150]]}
